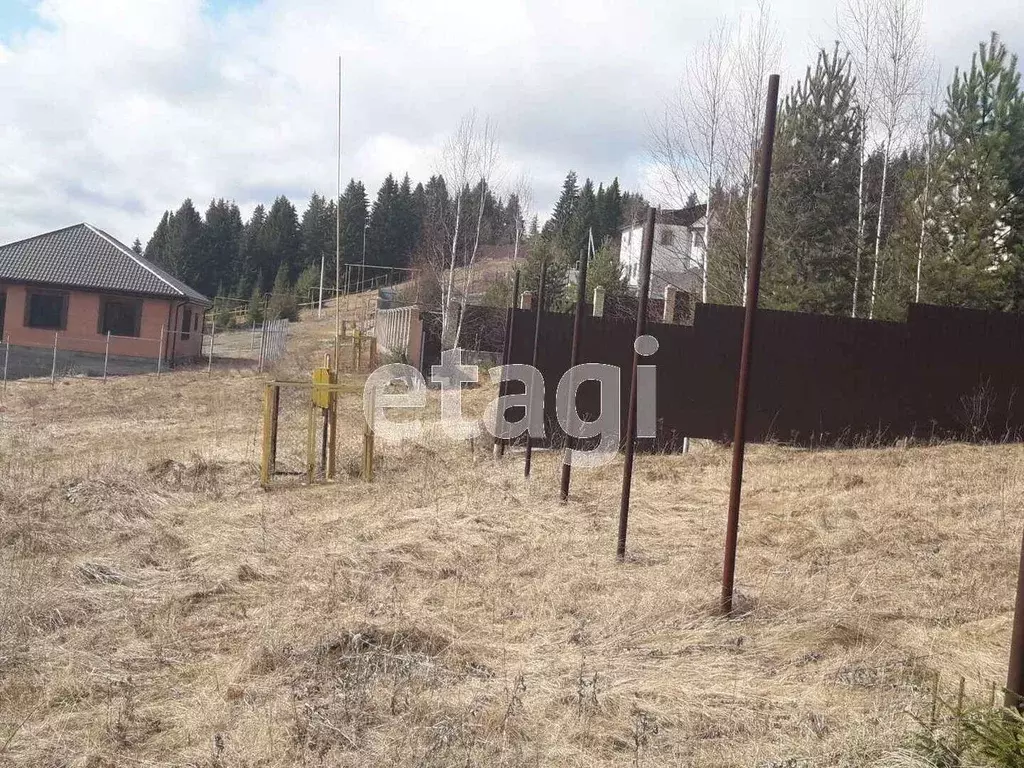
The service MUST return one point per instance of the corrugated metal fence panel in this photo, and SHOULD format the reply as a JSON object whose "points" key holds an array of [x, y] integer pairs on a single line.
{"points": [[815, 379]]}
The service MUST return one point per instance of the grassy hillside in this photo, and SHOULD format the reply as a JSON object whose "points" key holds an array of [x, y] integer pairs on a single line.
{"points": [[158, 608]]}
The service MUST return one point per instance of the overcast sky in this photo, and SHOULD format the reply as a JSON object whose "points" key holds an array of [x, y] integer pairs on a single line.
{"points": [[113, 110]]}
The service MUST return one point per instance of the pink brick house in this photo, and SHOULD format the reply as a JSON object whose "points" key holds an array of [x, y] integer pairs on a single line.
{"points": [[97, 298]]}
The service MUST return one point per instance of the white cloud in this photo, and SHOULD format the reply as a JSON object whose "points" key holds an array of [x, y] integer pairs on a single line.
{"points": [[115, 111]]}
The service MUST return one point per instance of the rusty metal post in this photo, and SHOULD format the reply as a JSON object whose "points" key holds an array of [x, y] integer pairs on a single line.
{"points": [[574, 356], [533, 362], [743, 383], [1015, 673], [641, 328], [506, 354]]}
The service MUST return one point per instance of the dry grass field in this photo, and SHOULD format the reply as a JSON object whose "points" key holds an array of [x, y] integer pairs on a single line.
{"points": [[158, 609]]}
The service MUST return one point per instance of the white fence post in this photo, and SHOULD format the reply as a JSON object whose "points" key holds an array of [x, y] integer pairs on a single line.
{"points": [[7, 355], [213, 335], [53, 368], [160, 354], [106, 356]]}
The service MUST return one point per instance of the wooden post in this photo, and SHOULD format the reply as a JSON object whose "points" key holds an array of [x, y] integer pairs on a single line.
{"points": [[106, 356], [276, 410], [160, 353], [265, 457], [372, 356], [53, 368], [311, 443], [368, 439]]}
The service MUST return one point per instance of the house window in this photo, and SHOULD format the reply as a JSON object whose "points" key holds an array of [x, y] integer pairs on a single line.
{"points": [[119, 316], [668, 237], [186, 324], [47, 310]]}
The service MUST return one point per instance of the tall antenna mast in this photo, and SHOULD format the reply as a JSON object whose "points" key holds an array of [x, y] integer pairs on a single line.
{"points": [[337, 227]]}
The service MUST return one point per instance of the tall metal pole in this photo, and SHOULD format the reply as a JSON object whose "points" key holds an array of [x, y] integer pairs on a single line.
{"points": [[743, 384], [641, 329], [506, 353], [574, 356], [536, 346], [337, 231]]}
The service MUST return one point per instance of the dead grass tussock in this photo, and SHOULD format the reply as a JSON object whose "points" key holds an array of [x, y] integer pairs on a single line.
{"points": [[159, 609]]}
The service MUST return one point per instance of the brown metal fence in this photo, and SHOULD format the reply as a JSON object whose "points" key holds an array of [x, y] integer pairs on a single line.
{"points": [[944, 373]]}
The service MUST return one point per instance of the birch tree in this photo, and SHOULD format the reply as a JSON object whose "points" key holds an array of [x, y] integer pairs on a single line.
{"points": [[900, 75], [689, 144], [757, 54], [858, 29], [522, 190], [469, 156]]}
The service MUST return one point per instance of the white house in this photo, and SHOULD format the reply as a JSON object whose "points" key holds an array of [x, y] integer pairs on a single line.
{"points": [[677, 256]]}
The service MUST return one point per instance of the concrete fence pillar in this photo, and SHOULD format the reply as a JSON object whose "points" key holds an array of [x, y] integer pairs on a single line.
{"points": [[668, 312], [526, 300], [599, 301]]}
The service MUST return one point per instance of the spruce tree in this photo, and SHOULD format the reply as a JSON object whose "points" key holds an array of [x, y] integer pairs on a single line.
{"points": [[156, 248], [282, 303], [354, 215], [564, 208], [318, 232], [183, 253], [283, 237], [220, 244], [254, 259]]}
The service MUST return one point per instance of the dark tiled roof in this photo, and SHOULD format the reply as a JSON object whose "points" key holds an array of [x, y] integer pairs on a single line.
{"points": [[682, 217], [83, 256]]}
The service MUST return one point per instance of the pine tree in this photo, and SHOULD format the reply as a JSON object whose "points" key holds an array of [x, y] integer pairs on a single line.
{"points": [[810, 250], [605, 270], [979, 200], [137, 246]]}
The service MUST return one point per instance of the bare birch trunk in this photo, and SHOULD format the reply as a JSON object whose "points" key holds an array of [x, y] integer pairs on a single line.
{"points": [[446, 295], [472, 260], [878, 227]]}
